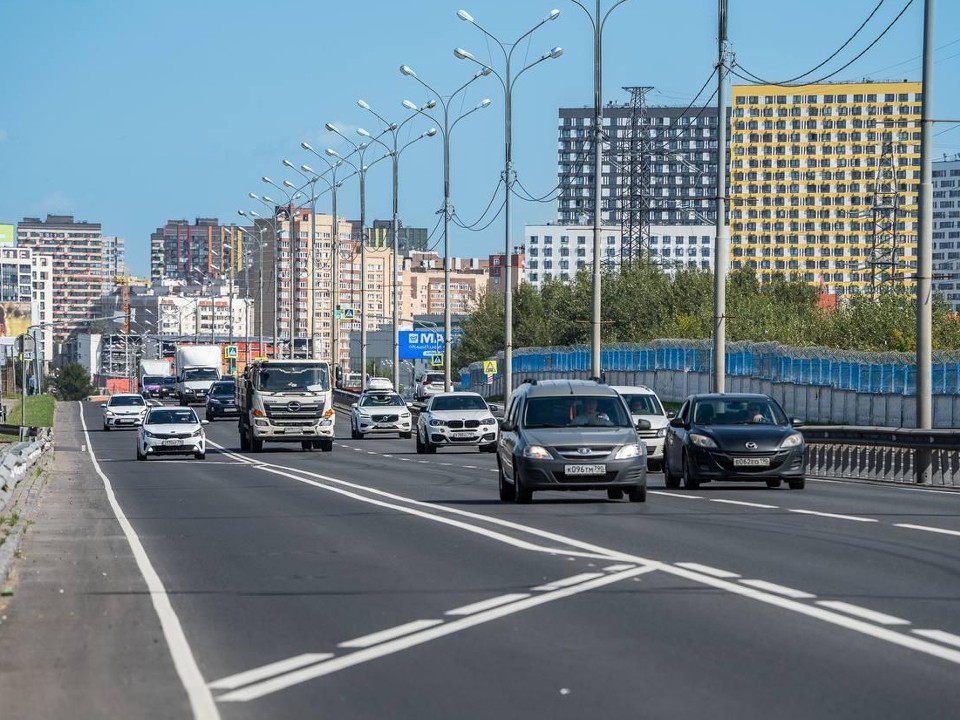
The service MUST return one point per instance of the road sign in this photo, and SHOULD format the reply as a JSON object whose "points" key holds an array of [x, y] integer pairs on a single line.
{"points": [[489, 367], [436, 360], [420, 344], [231, 352]]}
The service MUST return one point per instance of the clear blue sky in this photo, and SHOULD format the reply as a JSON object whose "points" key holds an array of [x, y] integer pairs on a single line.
{"points": [[132, 112]]}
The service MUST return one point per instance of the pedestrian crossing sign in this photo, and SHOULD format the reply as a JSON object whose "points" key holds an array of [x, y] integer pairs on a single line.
{"points": [[437, 360], [489, 367]]}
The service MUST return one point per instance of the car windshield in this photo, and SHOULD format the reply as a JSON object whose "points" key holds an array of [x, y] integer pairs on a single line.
{"points": [[169, 381], [200, 374], [223, 389], [151, 379], [126, 401], [171, 417], [293, 378], [643, 404], [739, 411], [458, 402], [575, 411], [381, 400]]}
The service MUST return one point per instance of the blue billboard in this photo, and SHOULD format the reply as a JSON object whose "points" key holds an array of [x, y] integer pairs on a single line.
{"points": [[420, 344]]}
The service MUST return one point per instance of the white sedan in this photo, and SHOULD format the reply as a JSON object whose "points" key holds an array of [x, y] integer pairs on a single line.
{"points": [[379, 412], [172, 431], [123, 410], [457, 418]]}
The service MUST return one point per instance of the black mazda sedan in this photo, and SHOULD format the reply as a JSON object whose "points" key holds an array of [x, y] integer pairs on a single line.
{"points": [[738, 437]]}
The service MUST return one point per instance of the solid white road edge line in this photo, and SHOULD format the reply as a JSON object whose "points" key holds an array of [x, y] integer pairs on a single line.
{"points": [[487, 604], [871, 615], [707, 570], [201, 700], [941, 636], [394, 646], [779, 589], [566, 582]]}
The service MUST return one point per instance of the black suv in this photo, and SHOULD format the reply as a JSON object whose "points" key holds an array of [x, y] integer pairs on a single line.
{"points": [[222, 400], [570, 435]]}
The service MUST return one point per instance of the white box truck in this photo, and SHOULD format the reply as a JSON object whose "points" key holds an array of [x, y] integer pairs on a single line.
{"points": [[151, 376], [198, 367]]}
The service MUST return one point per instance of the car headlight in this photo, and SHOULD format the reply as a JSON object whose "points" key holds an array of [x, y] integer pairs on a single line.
{"points": [[405, 416], [107, 413], [488, 421], [537, 452], [702, 441], [214, 401], [791, 441], [628, 451], [365, 416], [197, 433], [437, 423], [662, 432], [147, 433]]}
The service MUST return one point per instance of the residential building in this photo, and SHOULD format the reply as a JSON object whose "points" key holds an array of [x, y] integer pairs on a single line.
{"points": [[26, 295], [114, 259], [824, 181], [422, 290], [76, 251], [198, 252], [495, 275], [946, 230], [411, 239], [679, 145], [558, 252]]}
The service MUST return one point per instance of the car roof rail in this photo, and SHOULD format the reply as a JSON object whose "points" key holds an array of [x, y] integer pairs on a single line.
{"points": [[602, 379], [531, 381]]}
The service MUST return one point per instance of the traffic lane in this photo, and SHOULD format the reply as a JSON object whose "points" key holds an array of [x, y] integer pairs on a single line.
{"points": [[879, 566]]}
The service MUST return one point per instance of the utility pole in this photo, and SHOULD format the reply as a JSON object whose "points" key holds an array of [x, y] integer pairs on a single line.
{"points": [[720, 251]]}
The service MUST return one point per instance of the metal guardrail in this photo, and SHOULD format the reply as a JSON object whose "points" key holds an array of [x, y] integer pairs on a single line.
{"points": [[887, 455], [17, 458]]}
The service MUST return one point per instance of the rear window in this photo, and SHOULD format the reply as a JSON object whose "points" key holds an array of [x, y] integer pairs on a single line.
{"points": [[434, 378]]}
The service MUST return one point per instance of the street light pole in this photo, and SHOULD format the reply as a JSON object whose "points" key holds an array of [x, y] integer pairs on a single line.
{"points": [[447, 208], [721, 259], [394, 129], [259, 242], [507, 80]]}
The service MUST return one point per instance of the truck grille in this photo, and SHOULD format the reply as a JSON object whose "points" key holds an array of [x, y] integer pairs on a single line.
{"points": [[294, 410]]}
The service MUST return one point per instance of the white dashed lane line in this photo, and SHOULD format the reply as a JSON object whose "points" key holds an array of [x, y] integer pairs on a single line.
{"points": [[745, 504], [871, 615], [924, 528], [834, 516], [779, 589], [707, 570]]}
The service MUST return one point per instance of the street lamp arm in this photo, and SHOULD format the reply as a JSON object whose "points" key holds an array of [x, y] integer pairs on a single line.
{"points": [[607, 14], [589, 14], [429, 133], [471, 111], [552, 16], [461, 54], [553, 53]]}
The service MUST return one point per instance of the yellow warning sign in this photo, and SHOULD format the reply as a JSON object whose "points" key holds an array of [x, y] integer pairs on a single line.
{"points": [[489, 367]]}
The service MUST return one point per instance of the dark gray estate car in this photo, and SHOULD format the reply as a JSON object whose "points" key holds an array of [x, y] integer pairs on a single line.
{"points": [[569, 435]]}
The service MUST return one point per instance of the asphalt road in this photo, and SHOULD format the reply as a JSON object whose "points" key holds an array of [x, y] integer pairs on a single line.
{"points": [[375, 582]]}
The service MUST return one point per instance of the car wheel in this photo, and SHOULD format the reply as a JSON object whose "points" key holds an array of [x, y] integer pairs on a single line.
{"points": [[507, 491], [774, 483], [256, 444], [106, 428], [689, 481], [797, 484], [306, 445], [637, 494], [420, 448], [200, 455], [140, 454], [615, 493], [490, 447], [244, 440], [406, 435], [326, 444], [521, 495], [669, 479]]}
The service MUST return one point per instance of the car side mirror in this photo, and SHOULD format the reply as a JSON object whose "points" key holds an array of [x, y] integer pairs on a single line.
{"points": [[677, 423], [671, 414], [796, 422], [507, 426], [103, 405], [643, 424], [204, 422], [353, 405]]}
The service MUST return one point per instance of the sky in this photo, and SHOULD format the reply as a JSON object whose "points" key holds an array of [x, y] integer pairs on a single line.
{"points": [[130, 113]]}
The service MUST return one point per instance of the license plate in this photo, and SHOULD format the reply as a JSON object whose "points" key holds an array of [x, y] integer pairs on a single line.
{"points": [[125, 421], [751, 462], [585, 469], [462, 436], [386, 425], [173, 442]]}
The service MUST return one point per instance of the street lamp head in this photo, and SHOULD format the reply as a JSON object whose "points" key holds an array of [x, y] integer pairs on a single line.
{"points": [[553, 15], [254, 196], [409, 105], [407, 70], [287, 183], [484, 103], [461, 54], [465, 16], [431, 132], [331, 128], [268, 199], [332, 153], [392, 126], [553, 53], [431, 104], [267, 180], [287, 163], [363, 104], [241, 213], [483, 72], [254, 213], [362, 133], [306, 146], [307, 168]]}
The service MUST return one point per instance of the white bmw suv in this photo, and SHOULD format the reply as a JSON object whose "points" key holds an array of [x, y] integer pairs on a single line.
{"points": [[644, 404], [457, 419]]}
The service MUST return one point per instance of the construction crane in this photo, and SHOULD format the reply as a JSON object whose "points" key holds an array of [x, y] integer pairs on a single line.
{"points": [[124, 282]]}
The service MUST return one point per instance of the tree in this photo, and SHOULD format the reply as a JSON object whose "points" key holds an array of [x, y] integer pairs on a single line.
{"points": [[74, 382]]}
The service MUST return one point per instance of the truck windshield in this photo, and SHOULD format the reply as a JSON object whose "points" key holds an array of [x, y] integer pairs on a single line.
{"points": [[200, 374], [294, 378], [152, 379]]}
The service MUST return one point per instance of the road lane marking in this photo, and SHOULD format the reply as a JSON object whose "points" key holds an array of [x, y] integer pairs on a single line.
{"points": [[675, 495], [566, 582], [779, 589], [267, 671], [925, 528], [391, 647], [487, 604], [389, 634], [871, 615], [941, 636], [745, 504], [835, 516], [707, 570], [201, 699], [616, 568]]}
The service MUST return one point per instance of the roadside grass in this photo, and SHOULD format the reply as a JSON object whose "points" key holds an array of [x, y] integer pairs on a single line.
{"points": [[38, 413]]}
